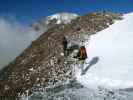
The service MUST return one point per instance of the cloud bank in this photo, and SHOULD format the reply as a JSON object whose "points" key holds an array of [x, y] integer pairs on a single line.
{"points": [[14, 38]]}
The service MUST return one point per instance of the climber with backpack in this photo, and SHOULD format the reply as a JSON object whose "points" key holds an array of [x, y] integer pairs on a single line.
{"points": [[82, 56]]}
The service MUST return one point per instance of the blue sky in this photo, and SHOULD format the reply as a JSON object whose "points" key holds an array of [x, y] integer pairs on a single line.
{"points": [[28, 11]]}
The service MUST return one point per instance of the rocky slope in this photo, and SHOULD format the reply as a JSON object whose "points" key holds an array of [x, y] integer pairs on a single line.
{"points": [[42, 64]]}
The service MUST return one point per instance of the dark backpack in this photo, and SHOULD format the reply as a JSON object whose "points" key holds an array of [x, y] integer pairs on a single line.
{"points": [[82, 55]]}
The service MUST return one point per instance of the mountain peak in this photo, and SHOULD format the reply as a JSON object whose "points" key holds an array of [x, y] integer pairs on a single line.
{"points": [[55, 19], [63, 17], [34, 66]]}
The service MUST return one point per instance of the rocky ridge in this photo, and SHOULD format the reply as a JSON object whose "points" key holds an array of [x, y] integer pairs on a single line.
{"points": [[42, 64]]}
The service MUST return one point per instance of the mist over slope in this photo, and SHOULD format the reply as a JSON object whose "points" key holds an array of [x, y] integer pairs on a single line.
{"points": [[14, 38]]}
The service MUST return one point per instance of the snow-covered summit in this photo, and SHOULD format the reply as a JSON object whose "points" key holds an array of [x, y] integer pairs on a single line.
{"points": [[55, 19], [113, 46], [62, 17]]}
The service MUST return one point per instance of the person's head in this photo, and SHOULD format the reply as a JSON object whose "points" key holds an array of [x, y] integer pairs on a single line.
{"points": [[64, 38], [82, 42]]}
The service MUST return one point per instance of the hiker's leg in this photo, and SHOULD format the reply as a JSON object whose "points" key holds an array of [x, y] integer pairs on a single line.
{"points": [[82, 66], [64, 49]]}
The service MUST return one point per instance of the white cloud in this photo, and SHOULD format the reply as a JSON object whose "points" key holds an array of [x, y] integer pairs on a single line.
{"points": [[13, 39]]}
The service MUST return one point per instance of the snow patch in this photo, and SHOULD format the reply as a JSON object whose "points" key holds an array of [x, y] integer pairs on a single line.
{"points": [[63, 17], [114, 48]]}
